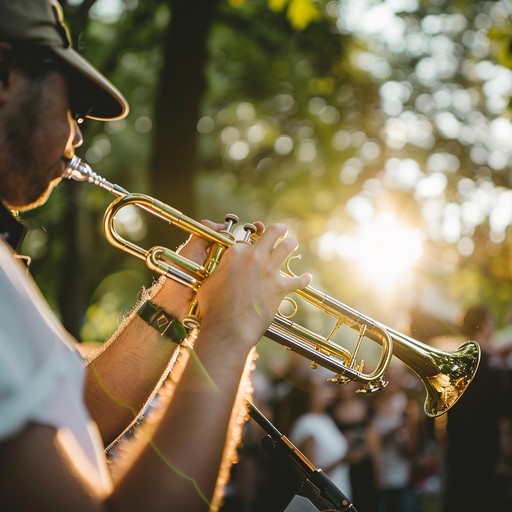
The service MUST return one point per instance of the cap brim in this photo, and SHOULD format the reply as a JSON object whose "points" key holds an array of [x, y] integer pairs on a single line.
{"points": [[106, 102]]}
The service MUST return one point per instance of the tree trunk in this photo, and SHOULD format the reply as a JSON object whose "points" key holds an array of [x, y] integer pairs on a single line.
{"points": [[182, 84]]}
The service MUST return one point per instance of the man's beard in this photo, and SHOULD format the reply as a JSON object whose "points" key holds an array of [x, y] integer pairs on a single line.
{"points": [[24, 185]]}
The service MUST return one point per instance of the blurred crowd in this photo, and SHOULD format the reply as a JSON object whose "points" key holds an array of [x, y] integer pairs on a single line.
{"points": [[381, 449]]}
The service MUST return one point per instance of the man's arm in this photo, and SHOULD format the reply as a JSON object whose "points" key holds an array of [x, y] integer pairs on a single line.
{"points": [[178, 467], [125, 371], [124, 374], [237, 303]]}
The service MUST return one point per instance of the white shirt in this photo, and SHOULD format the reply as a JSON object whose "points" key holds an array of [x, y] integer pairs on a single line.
{"points": [[331, 446], [41, 375]]}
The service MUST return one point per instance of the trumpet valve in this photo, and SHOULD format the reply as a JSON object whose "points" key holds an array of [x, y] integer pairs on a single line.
{"points": [[249, 231], [191, 321], [229, 223]]}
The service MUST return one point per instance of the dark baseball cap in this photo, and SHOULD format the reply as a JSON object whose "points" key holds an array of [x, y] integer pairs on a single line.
{"points": [[41, 23]]}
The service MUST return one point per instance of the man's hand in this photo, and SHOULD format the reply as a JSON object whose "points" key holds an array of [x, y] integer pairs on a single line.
{"points": [[242, 296]]}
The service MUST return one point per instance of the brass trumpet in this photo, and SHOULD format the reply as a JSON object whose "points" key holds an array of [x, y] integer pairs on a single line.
{"points": [[445, 375]]}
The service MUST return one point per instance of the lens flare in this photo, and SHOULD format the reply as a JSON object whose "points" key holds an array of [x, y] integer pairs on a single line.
{"points": [[382, 250]]}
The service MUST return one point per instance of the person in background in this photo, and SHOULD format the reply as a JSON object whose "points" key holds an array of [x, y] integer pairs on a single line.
{"points": [[56, 415], [352, 413], [470, 433], [393, 442], [315, 432]]}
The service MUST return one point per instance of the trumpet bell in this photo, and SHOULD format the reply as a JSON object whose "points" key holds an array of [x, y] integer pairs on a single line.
{"points": [[445, 375], [456, 371]]}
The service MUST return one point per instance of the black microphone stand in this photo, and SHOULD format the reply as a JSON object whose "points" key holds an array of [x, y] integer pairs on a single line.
{"points": [[317, 487]]}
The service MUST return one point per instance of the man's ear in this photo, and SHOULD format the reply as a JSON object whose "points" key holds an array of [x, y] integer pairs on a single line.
{"points": [[5, 49]]}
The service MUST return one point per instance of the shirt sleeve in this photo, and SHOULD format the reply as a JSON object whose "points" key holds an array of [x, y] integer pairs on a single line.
{"points": [[41, 372]]}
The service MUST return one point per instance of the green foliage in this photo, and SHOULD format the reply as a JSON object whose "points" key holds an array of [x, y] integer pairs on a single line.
{"points": [[324, 115], [300, 13], [397, 114]]}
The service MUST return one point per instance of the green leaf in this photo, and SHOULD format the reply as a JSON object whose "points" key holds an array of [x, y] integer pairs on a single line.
{"points": [[301, 13]]}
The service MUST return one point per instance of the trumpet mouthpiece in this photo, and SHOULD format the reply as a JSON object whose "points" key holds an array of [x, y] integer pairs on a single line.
{"points": [[80, 171]]}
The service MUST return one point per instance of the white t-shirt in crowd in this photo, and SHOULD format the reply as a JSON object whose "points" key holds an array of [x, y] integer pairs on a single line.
{"points": [[331, 446]]}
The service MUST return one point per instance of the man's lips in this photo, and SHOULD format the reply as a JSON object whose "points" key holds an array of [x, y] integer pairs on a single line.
{"points": [[61, 167]]}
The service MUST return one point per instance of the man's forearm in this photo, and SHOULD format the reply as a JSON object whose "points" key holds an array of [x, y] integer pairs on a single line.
{"points": [[193, 440], [124, 372], [122, 376]]}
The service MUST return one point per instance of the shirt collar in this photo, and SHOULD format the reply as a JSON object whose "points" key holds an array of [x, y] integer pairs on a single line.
{"points": [[11, 231]]}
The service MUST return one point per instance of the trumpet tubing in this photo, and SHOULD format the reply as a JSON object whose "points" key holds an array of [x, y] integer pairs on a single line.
{"points": [[445, 375]]}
